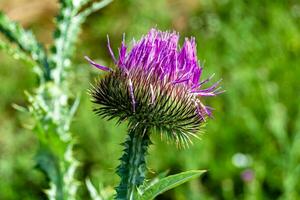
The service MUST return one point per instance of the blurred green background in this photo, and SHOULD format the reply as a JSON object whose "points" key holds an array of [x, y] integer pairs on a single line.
{"points": [[252, 146]]}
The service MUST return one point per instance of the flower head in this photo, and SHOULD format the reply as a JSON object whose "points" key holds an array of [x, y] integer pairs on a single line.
{"points": [[156, 84]]}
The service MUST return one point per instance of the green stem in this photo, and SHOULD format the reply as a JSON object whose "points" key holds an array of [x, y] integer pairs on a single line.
{"points": [[133, 168]]}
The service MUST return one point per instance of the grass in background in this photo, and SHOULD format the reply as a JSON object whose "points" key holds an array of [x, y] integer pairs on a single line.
{"points": [[253, 46]]}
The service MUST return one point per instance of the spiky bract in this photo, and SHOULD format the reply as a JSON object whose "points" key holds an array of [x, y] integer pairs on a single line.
{"points": [[163, 107]]}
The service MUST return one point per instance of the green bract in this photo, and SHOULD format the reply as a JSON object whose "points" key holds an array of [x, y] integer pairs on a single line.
{"points": [[164, 108]]}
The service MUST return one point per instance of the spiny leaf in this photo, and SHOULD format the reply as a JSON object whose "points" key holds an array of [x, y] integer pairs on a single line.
{"points": [[49, 164], [66, 3], [64, 35], [92, 190], [69, 22], [15, 52], [15, 33], [168, 183], [26, 42], [93, 8], [79, 4]]}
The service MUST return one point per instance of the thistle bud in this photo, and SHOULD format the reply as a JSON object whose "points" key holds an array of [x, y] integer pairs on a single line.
{"points": [[156, 85]]}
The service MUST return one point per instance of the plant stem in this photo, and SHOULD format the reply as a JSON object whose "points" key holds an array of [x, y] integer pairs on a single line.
{"points": [[133, 164]]}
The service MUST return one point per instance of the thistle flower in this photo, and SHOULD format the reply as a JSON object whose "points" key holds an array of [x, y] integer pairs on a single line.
{"points": [[156, 84]]}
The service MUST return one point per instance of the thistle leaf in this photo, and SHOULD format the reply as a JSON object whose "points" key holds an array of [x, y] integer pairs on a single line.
{"points": [[65, 35], [168, 183], [92, 190], [68, 27], [93, 8], [49, 165], [26, 41], [155, 180], [15, 52], [79, 4]]}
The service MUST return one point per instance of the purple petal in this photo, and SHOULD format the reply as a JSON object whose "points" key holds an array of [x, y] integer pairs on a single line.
{"points": [[180, 81], [205, 94], [110, 51], [211, 88], [104, 68], [131, 94], [122, 53]]}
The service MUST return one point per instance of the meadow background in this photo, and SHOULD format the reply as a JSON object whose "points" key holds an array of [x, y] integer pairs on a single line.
{"points": [[252, 146]]}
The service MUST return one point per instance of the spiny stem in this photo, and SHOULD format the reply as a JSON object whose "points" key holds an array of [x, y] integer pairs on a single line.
{"points": [[133, 164]]}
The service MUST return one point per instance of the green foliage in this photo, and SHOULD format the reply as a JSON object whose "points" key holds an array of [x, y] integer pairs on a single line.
{"points": [[254, 46], [49, 104], [168, 183]]}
